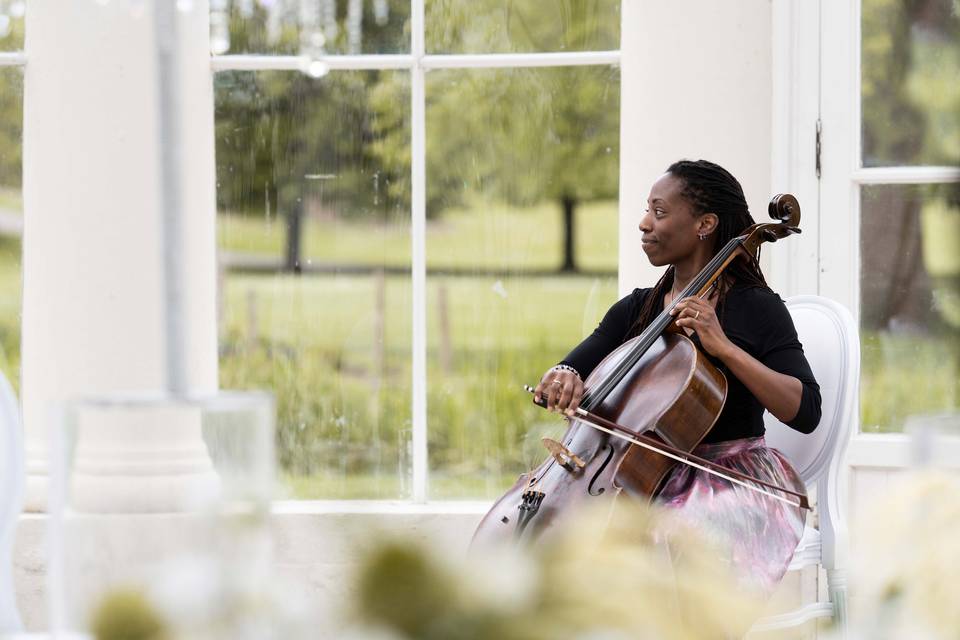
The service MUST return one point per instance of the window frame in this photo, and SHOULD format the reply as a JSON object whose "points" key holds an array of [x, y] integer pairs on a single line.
{"points": [[418, 63], [838, 264]]}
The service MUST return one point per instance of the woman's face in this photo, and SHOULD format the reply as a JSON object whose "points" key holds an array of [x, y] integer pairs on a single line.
{"points": [[669, 226]]}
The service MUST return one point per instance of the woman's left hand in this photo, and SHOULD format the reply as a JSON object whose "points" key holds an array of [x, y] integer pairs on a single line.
{"points": [[699, 316]]}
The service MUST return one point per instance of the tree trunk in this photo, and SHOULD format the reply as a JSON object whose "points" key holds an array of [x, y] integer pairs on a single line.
{"points": [[294, 225], [569, 205]]}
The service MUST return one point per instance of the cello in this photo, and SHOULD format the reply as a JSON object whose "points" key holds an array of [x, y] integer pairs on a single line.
{"points": [[645, 407]]}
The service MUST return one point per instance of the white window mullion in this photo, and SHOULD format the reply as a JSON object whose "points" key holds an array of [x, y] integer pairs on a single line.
{"points": [[418, 225], [295, 63], [907, 175], [517, 60], [244, 62], [13, 59]]}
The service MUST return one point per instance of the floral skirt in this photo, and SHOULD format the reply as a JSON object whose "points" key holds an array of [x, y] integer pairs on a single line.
{"points": [[756, 534]]}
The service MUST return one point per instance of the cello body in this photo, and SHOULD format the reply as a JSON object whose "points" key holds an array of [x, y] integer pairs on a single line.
{"points": [[674, 395]]}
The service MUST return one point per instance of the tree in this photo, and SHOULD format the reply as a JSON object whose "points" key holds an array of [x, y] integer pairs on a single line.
{"points": [[522, 135], [288, 143]]}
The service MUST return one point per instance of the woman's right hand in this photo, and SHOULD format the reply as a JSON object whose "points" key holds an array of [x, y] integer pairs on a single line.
{"points": [[561, 388]]}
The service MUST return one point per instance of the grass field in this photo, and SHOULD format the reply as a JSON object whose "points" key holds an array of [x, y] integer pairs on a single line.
{"points": [[10, 304], [339, 363], [484, 237], [336, 350], [905, 375]]}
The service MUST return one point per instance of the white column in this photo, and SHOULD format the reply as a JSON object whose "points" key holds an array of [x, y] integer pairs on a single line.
{"points": [[93, 313], [695, 83]]}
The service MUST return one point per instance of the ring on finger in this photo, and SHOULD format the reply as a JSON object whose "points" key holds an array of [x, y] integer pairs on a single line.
{"points": [[557, 381], [697, 317]]}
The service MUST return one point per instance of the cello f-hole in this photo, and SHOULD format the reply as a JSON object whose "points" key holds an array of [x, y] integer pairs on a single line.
{"points": [[603, 466]]}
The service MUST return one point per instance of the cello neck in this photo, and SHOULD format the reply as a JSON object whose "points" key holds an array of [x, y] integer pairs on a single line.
{"points": [[698, 286]]}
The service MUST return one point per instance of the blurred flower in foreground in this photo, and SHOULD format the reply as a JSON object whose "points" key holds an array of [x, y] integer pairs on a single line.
{"points": [[610, 576], [202, 597], [907, 561], [127, 614]]}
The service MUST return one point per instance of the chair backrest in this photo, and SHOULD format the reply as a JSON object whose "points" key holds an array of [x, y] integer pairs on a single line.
{"points": [[11, 502], [832, 347]]}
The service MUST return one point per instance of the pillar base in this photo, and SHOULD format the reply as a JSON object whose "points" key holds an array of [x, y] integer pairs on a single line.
{"points": [[133, 456]]}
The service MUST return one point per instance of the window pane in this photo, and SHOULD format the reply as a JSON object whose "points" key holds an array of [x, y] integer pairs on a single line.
{"points": [[11, 25], [512, 26], [910, 88], [506, 151], [302, 189], [910, 303], [11, 220], [283, 27]]}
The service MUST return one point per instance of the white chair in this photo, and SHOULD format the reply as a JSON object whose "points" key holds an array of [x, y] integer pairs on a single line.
{"points": [[832, 346], [11, 503]]}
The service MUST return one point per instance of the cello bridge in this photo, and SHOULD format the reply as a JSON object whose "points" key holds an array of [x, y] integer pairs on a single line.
{"points": [[564, 457]]}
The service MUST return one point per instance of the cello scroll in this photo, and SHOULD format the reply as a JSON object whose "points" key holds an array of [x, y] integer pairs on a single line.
{"points": [[783, 207]]}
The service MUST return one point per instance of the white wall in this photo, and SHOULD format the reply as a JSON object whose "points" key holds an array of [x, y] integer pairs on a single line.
{"points": [[696, 83]]}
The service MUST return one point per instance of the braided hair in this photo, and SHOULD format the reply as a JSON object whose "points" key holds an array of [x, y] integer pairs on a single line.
{"points": [[709, 188]]}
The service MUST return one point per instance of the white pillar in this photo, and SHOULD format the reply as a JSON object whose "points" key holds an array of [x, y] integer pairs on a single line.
{"points": [[93, 314], [695, 83]]}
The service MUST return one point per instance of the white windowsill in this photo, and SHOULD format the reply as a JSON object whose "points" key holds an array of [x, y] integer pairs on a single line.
{"points": [[896, 451], [385, 507]]}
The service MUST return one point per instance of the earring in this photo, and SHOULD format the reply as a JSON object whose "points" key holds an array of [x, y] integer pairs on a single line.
{"points": [[702, 236]]}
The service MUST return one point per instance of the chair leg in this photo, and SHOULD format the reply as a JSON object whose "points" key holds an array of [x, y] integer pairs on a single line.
{"points": [[837, 590]]}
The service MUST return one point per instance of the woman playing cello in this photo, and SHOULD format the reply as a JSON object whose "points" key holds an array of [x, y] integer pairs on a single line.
{"points": [[693, 210]]}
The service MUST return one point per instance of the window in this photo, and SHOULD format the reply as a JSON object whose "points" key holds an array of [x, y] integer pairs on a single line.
{"points": [[909, 211], [890, 199], [400, 250]]}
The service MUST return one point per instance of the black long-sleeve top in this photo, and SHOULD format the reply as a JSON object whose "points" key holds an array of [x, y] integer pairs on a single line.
{"points": [[753, 318]]}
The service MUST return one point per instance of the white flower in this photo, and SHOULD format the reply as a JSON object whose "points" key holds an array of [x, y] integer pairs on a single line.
{"points": [[502, 579], [907, 558]]}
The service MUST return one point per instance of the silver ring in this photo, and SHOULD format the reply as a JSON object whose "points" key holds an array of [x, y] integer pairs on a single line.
{"points": [[557, 381]]}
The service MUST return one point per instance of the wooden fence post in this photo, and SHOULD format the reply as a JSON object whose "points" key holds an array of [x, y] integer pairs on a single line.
{"points": [[446, 350], [379, 327], [252, 333]]}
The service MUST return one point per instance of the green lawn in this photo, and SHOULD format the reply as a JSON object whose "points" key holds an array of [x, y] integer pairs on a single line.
{"points": [[485, 237], [11, 200], [904, 375], [336, 350], [10, 304], [339, 362]]}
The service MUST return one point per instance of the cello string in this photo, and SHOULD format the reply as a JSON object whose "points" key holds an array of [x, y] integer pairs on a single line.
{"points": [[657, 327], [585, 419]]}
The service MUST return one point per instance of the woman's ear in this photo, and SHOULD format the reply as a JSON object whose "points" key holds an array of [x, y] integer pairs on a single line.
{"points": [[707, 224]]}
